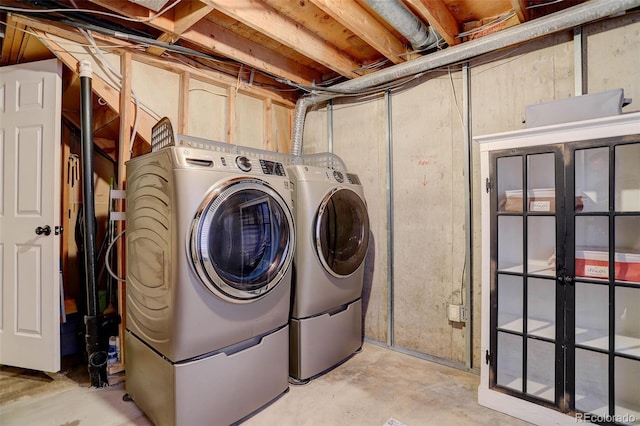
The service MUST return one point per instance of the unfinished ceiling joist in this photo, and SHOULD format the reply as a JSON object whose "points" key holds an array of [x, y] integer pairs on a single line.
{"points": [[258, 16], [216, 39], [365, 26]]}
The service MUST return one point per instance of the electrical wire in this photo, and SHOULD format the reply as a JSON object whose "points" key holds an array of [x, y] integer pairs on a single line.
{"points": [[102, 60], [96, 12], [319, 88], [543, 4], [106, 257], [481, 28], [455, 97]]}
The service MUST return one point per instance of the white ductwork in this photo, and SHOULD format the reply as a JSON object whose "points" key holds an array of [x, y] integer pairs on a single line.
{"points": [[406, 23], [560, 21]]}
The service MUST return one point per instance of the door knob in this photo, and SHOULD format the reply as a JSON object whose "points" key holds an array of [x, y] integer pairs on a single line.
{"points": [[46, 230]]}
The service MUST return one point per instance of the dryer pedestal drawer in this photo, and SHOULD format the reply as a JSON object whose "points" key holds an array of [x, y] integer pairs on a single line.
{"points": [[321, 342], [218, 389]]}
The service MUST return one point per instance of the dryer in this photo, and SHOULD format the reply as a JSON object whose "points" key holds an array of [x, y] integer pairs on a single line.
{"points": [[333, 236], [210, 245]]}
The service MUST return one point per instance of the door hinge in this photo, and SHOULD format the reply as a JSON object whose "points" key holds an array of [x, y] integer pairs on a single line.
{"points": [[488, 185], [488, 358]]}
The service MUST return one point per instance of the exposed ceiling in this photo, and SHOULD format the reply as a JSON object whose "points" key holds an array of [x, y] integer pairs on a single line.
{"points": [[284, 42], [285, 46]]}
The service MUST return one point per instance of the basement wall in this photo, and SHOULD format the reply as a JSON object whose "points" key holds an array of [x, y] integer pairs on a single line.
{"points": [[426, 168]]}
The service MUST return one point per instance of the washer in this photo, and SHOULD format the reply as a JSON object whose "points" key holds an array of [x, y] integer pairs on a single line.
{"points": [[333, 237], [210, 245]]}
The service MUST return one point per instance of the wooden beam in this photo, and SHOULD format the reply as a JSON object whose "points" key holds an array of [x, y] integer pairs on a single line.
{"points": [[439, 16], [185, 15], [268, 126], [183, 104], [99, 86], [103, 116], [520, 8], [220, 41], [168, 38], [231, 114], [13, 40], [361, 23], [108, 146], [124, 145], [262, 18], [214, 77]]}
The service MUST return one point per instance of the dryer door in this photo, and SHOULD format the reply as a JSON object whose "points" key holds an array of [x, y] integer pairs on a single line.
{"points": [[242, 240], [342, 232]]}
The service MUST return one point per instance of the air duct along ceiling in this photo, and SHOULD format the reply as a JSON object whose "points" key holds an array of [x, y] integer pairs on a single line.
{"points": [[406, 23]]}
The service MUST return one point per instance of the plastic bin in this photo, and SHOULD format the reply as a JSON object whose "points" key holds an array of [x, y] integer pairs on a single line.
{"points": [[594, 263], [538, 200]]}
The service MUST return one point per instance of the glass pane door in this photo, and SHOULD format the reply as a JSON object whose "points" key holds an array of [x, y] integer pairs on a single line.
{"points": [[525, 291], [606, 225], [626, 323]]}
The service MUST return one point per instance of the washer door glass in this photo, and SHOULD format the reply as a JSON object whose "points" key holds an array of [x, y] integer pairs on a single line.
{"points": [[342, 232], [242, 240]]}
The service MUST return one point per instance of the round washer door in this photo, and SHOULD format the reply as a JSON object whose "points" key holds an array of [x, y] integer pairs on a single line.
{"points": [[342, 232], [242, 240]]}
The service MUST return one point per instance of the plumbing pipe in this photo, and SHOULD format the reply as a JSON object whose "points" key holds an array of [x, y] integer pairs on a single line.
{"points": [[97, 358], [560, 21]]}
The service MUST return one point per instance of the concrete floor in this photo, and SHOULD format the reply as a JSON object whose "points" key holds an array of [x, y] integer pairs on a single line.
{"points": [[375, 387]]}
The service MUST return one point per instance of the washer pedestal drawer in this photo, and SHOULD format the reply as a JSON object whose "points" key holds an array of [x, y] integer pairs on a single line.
{"points": [[321, 342]]}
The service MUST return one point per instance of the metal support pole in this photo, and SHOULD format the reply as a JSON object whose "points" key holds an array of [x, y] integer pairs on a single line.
{"points": [[468, 208], [330, 125], [390, 325], [579, 62], [97, 358]]}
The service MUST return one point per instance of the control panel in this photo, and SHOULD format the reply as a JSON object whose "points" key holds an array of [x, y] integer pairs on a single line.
{"points": [[272, 168]]}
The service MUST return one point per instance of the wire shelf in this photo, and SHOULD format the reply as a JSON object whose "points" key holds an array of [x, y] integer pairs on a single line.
{"points": [[162, 136]]}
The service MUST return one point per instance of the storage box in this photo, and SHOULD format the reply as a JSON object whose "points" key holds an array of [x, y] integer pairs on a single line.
{"points": [[539, 200], [594, 263]]}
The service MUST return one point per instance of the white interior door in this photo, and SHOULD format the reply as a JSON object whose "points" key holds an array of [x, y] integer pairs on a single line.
{"points": [[30, 102]]}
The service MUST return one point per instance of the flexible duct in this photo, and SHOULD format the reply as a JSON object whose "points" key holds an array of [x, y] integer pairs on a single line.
{"points": [[560, 21], [406, 23]]}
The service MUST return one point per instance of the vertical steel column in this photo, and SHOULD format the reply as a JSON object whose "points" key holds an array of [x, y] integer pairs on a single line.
{"points": [[330, 125], [579, 65], [468, 208], [97, 358], [390, 305]]}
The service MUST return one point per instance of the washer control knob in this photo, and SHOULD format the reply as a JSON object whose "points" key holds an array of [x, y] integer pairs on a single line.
{"points": [[338, 176], [243, 163]]}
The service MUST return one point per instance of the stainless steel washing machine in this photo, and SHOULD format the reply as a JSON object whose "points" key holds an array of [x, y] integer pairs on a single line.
{"points": [[210, 245], [333, 236]]}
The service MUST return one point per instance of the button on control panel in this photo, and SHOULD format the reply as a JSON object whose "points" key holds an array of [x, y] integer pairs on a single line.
{"points": [[243, 163]]}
